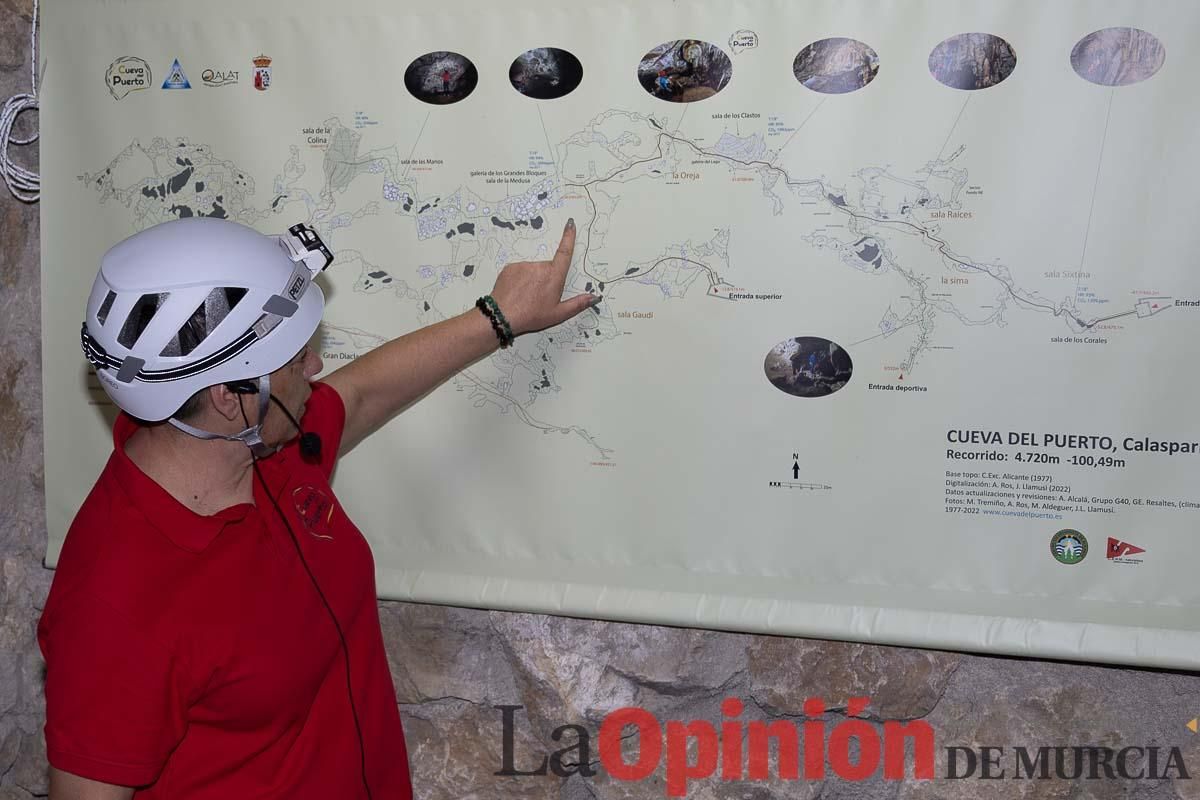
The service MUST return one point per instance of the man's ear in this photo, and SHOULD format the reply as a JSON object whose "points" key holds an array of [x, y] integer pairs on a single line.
{"points": [[226, 402]]}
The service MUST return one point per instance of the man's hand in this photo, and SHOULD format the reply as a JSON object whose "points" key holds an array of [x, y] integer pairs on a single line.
{"points": [[529, 293]]}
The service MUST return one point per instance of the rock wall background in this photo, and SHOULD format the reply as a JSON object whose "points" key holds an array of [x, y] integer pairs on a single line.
{"points": [[452, 667]]}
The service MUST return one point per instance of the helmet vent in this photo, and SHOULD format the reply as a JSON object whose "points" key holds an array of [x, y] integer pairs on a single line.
{"points": [[105, 307], [204, 320], [139, 317]]}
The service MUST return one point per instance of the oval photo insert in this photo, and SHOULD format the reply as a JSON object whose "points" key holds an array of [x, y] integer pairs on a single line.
{"points": [[836, 66], [808, 366], [684, 71], [972, 61], [1118, 56], [545, 73], [440, 77]]}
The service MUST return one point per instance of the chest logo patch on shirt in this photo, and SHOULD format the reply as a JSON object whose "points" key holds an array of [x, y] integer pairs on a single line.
{"points": [[315, 509]]}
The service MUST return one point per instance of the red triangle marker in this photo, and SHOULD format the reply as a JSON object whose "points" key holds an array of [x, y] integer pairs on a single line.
{"points": [[1117, 548], [901, 377]]}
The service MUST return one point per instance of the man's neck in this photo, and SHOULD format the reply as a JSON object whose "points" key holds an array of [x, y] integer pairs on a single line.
{"points": [[206, 476]]}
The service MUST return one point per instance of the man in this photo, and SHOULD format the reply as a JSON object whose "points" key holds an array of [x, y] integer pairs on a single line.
{"points": [[211, 631]]}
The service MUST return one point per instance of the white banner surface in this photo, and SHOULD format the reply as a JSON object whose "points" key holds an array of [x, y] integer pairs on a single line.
{"points": [[900, 298]]}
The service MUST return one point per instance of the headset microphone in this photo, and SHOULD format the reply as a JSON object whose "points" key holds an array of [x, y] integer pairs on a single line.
{"points": [[310, 443]]}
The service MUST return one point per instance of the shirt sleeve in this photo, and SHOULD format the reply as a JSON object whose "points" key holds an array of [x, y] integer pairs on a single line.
{"points": [[115, 699], [326, 417]]}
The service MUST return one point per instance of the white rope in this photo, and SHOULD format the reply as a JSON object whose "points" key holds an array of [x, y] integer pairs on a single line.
{"points": [[25, 184]]}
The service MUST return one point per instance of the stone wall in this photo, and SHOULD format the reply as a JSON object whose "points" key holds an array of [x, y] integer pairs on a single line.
{"points": [[23, 580], [453, 667]]}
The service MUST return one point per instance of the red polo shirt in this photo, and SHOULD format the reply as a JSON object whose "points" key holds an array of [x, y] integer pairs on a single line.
{"points": [[192, 656]]}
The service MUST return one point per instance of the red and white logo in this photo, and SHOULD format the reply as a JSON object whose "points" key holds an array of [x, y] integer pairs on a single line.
{"points": [[1121, 552], [262, 73], [315, 509]]}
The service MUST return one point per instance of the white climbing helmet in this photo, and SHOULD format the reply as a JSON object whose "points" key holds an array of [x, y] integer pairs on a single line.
{"points": [[196, 302]]}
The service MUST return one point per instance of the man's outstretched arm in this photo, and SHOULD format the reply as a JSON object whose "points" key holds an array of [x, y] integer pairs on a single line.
{"points": [[68, 786], [378, 384]]}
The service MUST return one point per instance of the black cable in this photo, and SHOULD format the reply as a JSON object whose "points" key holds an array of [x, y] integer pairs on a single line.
{"points": [[362, 751]]}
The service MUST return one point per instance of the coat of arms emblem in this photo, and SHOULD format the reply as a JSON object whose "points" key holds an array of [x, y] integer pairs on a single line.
{"points": [[262, 73]]}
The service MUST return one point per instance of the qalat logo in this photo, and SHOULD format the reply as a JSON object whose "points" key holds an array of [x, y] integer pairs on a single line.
{"points": [[219, 77], [1068, 546], [1123, 552], [125, 75]]}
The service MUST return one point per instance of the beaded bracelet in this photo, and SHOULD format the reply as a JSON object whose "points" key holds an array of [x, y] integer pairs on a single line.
{"points": [[487, 304], [508, 331]]}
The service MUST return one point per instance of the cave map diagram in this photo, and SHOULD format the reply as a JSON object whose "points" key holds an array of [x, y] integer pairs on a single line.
{"points": [[891, 231]]}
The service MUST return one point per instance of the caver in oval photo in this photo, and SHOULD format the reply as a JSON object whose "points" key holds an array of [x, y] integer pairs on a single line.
{"points": [[808, 366], [684, 71], [441, 77]]}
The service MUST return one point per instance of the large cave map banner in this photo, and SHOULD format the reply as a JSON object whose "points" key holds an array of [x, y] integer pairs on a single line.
{"points": [[900, 300]]}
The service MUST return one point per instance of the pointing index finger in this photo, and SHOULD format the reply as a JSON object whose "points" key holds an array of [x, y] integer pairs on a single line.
{"points": [[566, 246]]}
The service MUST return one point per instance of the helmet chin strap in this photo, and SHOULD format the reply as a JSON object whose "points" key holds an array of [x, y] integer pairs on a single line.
{"points": [[252, 436]]}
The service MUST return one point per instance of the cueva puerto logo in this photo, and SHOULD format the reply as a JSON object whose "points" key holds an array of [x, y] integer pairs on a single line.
{"points": [[125, 75], [1068, 546]]}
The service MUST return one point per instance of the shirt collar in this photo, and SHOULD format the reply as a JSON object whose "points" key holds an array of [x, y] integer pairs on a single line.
{"points": [[187, 529]]}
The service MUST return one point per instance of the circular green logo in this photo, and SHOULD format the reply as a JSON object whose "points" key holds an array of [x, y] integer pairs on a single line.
{"points": [[1068, 546]]}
